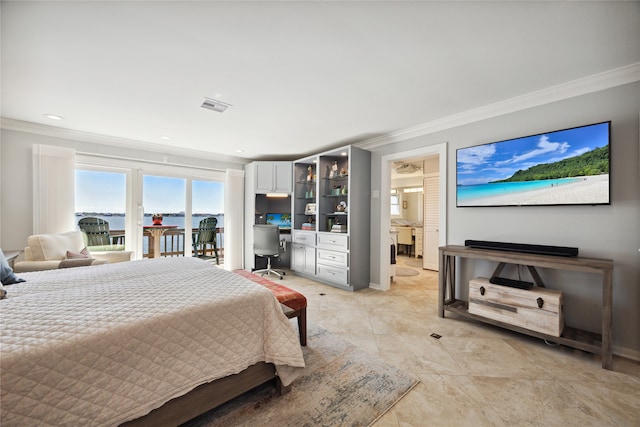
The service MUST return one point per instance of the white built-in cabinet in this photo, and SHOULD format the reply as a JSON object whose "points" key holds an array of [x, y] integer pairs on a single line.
{"points": [[261, 178], [331, 209], [303, 257], [272, 177]]}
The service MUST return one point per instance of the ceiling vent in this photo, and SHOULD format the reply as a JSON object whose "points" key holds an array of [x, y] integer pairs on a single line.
{"points": [[215, 105], [403, 167]]}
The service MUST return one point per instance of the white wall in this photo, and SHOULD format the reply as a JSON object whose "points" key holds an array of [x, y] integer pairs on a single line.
{"points": [[611, 232], [16, 175]]}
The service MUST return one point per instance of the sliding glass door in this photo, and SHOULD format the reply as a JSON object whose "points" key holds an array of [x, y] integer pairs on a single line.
{"points": [[128, 193], [163, 201], [207, 200]]}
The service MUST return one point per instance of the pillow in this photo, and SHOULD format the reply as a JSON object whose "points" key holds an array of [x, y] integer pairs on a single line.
{"points": [[75, 262], [6, 272], [84, 253]]}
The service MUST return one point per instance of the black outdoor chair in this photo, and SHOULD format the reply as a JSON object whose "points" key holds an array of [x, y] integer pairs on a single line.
{"points": [[206, 235]]}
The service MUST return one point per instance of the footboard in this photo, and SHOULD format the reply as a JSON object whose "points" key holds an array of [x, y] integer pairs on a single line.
{"points": [[208, 396]]}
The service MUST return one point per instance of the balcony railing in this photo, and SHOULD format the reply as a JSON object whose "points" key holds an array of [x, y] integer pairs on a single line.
{"points": [[172, 242]]}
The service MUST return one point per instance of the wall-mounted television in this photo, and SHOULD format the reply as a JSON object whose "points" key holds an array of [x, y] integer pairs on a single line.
{"points": [[282, 220], [563, 167]]}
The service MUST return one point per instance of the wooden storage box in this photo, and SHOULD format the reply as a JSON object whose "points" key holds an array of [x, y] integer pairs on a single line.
{"points": [[537, 309]]}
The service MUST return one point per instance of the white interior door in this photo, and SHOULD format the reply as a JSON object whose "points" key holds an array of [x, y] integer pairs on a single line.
{"points": [[431, 221]]}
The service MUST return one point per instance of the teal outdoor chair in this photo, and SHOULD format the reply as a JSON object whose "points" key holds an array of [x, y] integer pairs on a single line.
{"points": [[96, 233], [206, 235]]}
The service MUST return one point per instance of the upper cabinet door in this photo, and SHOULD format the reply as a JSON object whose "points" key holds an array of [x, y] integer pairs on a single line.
{"points": [[283, 176], [273, 177], [264, 177]]}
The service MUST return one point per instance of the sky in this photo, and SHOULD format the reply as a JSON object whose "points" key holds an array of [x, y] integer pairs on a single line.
{"points": [[106, 192], [500, 160]]}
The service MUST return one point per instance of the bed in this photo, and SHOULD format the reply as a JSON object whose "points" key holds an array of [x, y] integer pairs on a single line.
{"points": [[107, 344]]}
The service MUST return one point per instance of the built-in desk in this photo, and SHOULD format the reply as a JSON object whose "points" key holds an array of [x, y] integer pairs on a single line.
{"points": [[587, 341]]}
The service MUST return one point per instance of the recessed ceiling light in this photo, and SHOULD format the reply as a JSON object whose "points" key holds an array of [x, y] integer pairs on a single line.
{"points": [[53, 117], [239, 151], [343, 153], [166, 138]]}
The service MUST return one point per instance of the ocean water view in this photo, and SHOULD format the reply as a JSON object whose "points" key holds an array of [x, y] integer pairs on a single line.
{"points": [[466, 193]]}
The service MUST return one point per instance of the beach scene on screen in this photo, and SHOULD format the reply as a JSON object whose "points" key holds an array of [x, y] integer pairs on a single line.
{"points": [[556, 168]]}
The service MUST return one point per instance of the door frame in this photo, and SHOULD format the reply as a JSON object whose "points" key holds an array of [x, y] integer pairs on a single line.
{"points": [[385, 202]]}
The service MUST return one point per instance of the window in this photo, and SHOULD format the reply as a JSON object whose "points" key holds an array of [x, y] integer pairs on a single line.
{"points": [[395, 203], [102, 194]]}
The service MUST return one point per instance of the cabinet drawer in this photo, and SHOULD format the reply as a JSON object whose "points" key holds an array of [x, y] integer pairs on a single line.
{"points": [[537, 309], [339, 242], [326, 256], [333, 274], [307, 238]]}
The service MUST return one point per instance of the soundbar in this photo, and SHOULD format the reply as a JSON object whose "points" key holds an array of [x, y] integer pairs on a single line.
{"points": [[523, 247]]}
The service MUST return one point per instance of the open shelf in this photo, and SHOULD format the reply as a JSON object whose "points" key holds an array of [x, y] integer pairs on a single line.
{"points": [[596, 343], [571, 337]]}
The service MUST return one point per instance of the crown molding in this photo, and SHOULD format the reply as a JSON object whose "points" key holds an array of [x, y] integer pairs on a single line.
{"points": [[590, 84], [112, 141]]}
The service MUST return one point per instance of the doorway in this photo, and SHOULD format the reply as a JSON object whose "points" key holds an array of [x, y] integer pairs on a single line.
{"points": [[437, 153]]}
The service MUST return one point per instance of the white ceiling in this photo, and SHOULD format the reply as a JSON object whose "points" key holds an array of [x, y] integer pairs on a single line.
{"points": [[301, 77]]}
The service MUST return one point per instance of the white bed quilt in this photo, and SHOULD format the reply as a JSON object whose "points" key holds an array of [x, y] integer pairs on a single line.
{"points": [[101, 345]]}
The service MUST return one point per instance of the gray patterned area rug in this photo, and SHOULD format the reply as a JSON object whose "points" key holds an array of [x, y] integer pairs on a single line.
{"points": [[341, 386]]}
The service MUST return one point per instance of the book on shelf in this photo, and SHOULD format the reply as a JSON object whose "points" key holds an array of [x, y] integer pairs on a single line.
{"points": [[339, 228]]}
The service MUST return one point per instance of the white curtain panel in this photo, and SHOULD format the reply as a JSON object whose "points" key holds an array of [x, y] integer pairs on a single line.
{"points": [[53, 189], [233, 219]]}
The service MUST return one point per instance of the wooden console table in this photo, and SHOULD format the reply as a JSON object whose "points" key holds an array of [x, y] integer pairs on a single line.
{"points": [[583, 340]]}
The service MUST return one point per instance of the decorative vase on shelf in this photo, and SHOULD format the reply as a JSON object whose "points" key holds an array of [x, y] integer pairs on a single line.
{"points": [[157, 219]]}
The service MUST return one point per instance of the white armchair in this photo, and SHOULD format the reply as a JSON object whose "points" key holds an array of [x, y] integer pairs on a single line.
{"points": [[49, 251]]}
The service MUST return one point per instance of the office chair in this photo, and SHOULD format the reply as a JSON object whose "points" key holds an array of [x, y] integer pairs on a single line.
{"points": [[266, 243], [206, 235]]}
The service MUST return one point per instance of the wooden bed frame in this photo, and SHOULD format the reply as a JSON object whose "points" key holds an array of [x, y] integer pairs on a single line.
{"points": [[208, 396]]}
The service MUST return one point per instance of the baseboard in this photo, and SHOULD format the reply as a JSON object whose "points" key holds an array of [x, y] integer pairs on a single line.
{"points": [[375, 286], [627, 353]]}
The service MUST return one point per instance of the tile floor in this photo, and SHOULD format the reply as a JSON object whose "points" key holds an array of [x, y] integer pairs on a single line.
{"points": [[476, 374]]}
